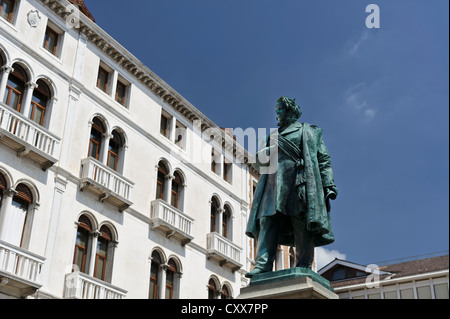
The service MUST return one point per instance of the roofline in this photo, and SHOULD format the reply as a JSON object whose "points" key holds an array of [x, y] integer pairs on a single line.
{"points": [[392, 280], [350, 264], [125, 59]]}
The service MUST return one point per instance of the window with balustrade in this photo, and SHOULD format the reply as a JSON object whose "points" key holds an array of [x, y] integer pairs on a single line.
{"points": [[163, 171], [177, 191], [39, 101], [170, 279], [226, 222], [154, 275], [225, 293], [96, 138], [104, 248], [82, 244], [17, 216], [114, 149], [15, 87], [215, 206], [213, 292]]}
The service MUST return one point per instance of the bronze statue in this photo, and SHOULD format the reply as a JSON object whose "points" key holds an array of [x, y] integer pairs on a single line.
{"points": [[291, 206]]}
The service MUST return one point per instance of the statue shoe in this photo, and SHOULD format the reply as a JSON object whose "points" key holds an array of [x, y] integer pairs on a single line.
{"points": [[255, 271]]}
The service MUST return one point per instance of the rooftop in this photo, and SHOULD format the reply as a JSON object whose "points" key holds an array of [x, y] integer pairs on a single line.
{"points": [[399, 270]]}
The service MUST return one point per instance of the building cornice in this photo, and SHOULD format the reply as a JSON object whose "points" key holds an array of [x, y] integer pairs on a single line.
{"points": [[127, 61]]}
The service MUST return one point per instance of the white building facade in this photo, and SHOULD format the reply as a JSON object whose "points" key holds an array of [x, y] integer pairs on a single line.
{"points": [[112, 185]]}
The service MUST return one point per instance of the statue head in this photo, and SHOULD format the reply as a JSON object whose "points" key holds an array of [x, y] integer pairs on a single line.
{"points": [[287, 111]]}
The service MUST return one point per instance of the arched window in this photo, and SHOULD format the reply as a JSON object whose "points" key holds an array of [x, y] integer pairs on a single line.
{"points": [[82, 243], [18, 217], [225, 293], [214, 211], [115, 145], [226, 222], [101, 255], [15, 88], [2, 60], [161, 180], [176, 190], [154, 275], [39, 101], [96, 137], [170, 279], [212, 289]]}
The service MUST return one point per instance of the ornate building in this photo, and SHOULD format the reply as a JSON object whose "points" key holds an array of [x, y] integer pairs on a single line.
{"points": [[102, 190]]}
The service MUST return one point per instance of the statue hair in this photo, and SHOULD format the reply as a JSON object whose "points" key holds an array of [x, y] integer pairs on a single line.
{"points": [[291, 106]]}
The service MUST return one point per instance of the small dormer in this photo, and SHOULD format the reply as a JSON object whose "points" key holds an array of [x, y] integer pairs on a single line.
{"points": [[342, 270]]}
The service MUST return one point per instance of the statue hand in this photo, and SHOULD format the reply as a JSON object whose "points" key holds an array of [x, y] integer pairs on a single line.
{"points": [[330, 192]]}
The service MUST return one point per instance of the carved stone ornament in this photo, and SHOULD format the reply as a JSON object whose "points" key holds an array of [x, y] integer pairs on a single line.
{"points": [[33, 18]]}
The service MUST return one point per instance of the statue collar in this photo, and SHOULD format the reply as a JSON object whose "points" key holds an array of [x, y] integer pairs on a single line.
{"points": [[291, 128]]}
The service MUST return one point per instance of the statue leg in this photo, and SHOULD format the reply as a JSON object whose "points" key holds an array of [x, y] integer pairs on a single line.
{"points": [[267, 244], [304, 243]]}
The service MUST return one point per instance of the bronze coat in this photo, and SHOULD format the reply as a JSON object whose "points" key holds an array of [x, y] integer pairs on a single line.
{"points": [[292, 194]]}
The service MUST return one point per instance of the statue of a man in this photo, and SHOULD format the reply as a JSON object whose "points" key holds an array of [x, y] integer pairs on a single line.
{"points": [[291, 206]]}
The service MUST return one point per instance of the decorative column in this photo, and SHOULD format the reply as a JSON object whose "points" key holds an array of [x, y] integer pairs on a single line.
{"points": [[5, 71], [94, 238], [28, 226], [49, 110], [26, 101], [104, 149], [6, 204], [181, 197], [162, 281], [219, 215], [122, 153], [168, 188]]}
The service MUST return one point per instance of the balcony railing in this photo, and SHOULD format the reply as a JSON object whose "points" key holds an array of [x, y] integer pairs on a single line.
{"points": [[81, 286], [20, 268], [107, 183], [171, 221], [224, 251], [28, 138]]}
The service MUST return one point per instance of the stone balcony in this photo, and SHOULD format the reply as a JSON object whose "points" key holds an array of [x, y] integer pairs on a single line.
{"points": [[223, 251], [19, 271], [79, 285], [171, 221], [108, 184], [27, 138]]}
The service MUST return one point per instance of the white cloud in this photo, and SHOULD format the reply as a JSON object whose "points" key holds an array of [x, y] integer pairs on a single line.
{"points": [[355, 47], [369, 114], [356, 99], [325, 256]]}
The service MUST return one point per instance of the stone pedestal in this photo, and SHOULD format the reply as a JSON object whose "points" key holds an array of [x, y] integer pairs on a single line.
{"points": [[294, 283]]}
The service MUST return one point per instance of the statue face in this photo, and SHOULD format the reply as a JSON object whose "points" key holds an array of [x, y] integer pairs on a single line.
{"points": [[282, 114]]}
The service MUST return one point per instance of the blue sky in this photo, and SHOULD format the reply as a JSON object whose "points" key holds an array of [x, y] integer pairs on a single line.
{"points": [[381, 96]]}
